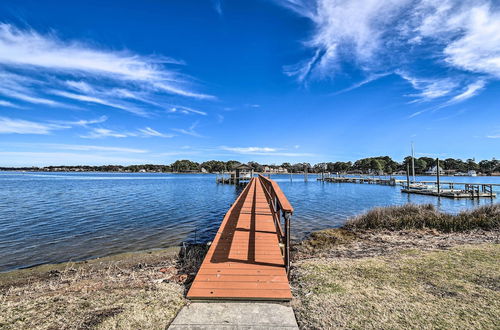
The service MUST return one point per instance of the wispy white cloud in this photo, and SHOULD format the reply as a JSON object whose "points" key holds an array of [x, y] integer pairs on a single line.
{"points": [[495, 136], [98, 133], [19, 126], [83, 122], [429, 89], [469, 31], [248, 150], [218, 6], [104, 77], [28, 98], [471, 90], [185, 110], [148, 131], [18, 87], [92, 99], [32, 49], [80, 147], [190, 131], [264, 151], [8, 104], [369, 79], [343, 28], [460, 37]]}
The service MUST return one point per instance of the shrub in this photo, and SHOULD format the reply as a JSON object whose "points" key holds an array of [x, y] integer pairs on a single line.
{"points": [[411, 216]]}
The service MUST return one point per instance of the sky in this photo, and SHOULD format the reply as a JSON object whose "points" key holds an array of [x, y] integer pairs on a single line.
{"points": [[133, 82]]}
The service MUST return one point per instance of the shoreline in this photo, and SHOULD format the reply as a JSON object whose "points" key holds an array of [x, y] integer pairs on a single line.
{"points": [[328, 234], [263, 173], [146, 290], [426, 277]]}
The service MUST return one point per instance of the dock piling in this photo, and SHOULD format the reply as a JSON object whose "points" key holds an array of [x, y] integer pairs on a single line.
{"points": [[437, 177]]}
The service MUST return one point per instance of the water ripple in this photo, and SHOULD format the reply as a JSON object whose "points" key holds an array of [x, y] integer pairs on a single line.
{"points": [[55, 217]]}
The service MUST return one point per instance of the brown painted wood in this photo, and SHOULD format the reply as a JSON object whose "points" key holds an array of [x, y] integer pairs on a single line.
{"points": [[245, 259]]}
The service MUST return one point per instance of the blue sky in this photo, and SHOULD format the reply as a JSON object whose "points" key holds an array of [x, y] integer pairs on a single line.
{"points": [[124, 82]]}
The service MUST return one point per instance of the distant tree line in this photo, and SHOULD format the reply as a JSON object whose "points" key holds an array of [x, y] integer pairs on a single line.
{"points": [[371, 165]]}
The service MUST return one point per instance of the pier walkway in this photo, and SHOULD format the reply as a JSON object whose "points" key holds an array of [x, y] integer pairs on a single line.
{"points": [[249, 256]]}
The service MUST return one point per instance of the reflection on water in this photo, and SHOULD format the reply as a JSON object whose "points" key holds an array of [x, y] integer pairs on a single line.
{"points": [[55, 217]]}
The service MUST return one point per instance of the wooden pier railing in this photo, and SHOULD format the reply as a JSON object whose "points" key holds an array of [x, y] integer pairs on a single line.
{"points": [[282, 210]]}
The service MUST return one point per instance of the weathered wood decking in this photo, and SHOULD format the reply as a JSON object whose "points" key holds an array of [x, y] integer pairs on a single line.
{"points": [[245, 260]]}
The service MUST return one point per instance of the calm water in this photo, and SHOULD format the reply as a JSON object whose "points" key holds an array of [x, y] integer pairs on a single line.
{"points": [[55, 217]]}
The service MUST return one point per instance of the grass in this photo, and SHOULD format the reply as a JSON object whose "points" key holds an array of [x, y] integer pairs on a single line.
{"points": [[411, 216], [397, 267], [128, 291], [452, 289], [401, 267]]}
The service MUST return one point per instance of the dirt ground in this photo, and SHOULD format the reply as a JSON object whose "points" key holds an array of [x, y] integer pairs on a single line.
{"points": [[340, 279], [397, 280], [128, 291], [340, 243]]}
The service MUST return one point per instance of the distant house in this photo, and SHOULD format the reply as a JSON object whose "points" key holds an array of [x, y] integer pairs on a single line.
{"points": [[243, 170], [471, 173], [282, 170], [204, 170], [434, 170], [142, 170]]}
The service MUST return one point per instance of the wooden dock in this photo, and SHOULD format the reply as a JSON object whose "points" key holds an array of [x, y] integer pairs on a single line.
{"points": [[469, 190], [249, 256], [349, 179], [231, 179], [431, 188]]}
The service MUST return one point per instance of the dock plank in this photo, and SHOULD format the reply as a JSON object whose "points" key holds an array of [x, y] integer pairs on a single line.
{"points": [[245, 260]]}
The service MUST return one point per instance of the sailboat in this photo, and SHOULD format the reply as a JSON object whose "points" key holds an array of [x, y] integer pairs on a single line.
{"points": [[417, 185]]}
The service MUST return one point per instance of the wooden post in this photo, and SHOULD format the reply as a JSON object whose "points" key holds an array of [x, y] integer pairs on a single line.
{"points": [[287, 243], [437, 174]]}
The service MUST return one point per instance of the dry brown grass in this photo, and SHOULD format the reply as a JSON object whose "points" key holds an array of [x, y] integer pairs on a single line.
{"points": [[130, 291], [450, 289], [401, 267], [411, 216]]}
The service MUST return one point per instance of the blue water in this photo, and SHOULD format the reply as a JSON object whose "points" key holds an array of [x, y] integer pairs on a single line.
{"points": [[56, 217]]}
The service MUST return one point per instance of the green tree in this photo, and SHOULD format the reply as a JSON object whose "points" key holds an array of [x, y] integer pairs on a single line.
{"points": [[256, 166], [185, 166], [232, 164], [213, 166], [376, 165], [420, 165], [472, 165]]}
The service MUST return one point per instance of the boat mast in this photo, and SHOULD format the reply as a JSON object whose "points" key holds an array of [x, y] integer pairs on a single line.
{"points": [[413, 162]]}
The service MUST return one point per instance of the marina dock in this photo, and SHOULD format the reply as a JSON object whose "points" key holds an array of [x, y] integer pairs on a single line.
{"points": [[451, 189], [241, 175], [431, 188], [249, 256], [367, 180]]}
